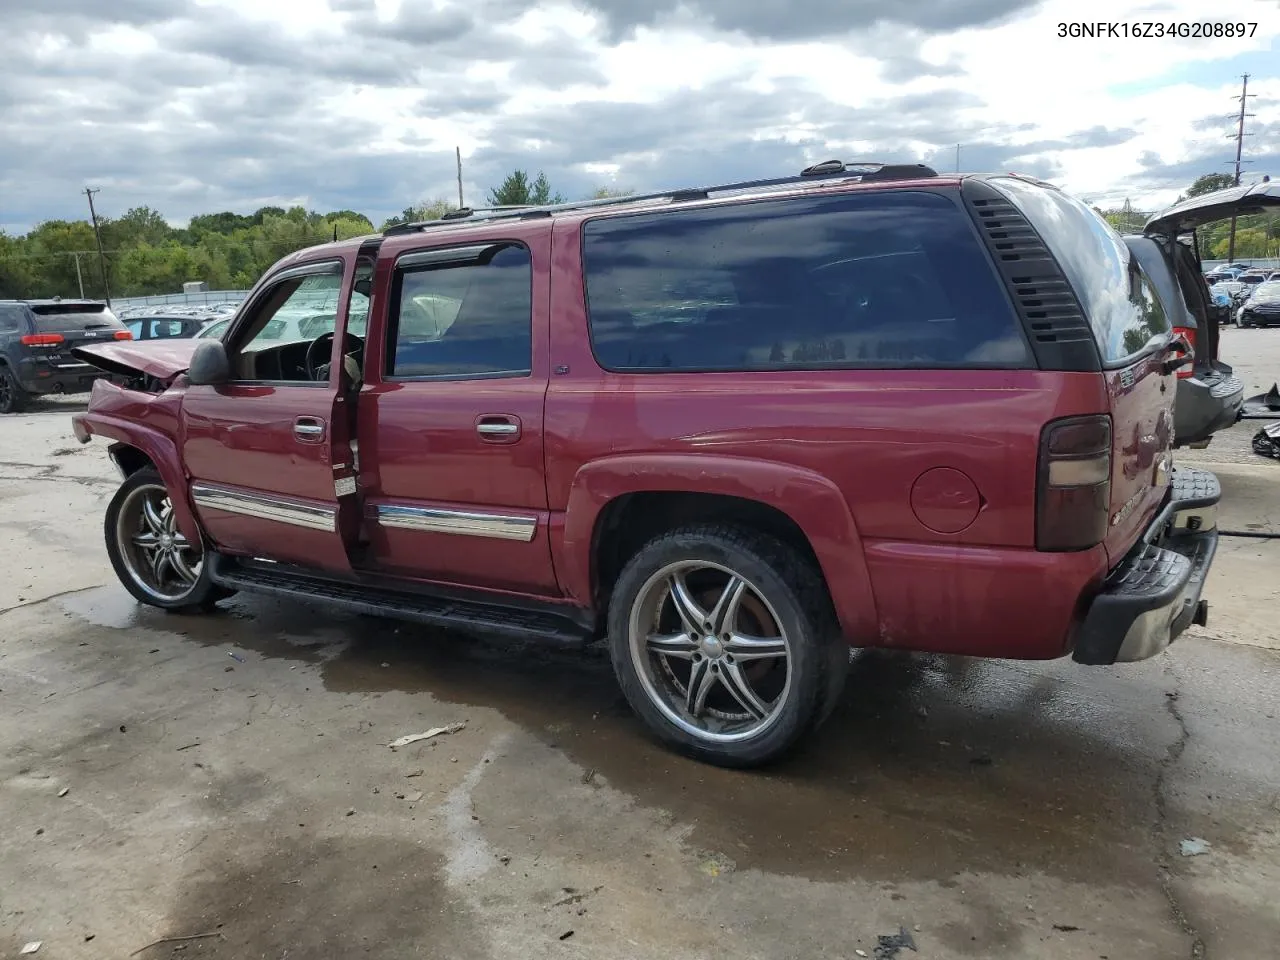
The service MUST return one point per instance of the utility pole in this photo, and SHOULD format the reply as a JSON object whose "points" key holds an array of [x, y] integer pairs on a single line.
{"points": [[97, 233], [461, 204], [1244, 99], [79, 277], [957, 158]]}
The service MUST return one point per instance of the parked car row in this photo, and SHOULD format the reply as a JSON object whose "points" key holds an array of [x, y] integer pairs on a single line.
{"points": [[1237, 271], [174, 322], [730, 431]]}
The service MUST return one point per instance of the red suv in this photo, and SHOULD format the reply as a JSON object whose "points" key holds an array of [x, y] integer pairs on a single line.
{"points": [[734, 430]]}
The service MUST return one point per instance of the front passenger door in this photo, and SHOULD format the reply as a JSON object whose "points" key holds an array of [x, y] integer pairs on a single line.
{"points": [[268, 452]]}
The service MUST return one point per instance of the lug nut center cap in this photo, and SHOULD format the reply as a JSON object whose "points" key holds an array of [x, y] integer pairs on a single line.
{"points": [[712, 648]]}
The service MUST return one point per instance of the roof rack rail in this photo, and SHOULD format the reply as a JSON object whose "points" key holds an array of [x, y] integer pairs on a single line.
{"points": [[460, 213], [828, 169]]}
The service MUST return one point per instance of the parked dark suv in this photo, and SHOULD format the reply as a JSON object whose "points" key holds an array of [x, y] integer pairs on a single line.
{"points": [[733, 430], [36, 337]]}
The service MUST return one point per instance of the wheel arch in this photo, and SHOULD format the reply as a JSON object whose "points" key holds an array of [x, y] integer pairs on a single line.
{"points": [[135, 447], [128, 459], [618, 504]]}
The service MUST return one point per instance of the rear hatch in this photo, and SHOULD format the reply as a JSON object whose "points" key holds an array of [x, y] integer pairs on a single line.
{"points": [[64, 325], [1186, 218], [1133, 336]]}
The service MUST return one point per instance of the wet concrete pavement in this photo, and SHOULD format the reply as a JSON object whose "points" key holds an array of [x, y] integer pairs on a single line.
{"points": [[990, 809]]}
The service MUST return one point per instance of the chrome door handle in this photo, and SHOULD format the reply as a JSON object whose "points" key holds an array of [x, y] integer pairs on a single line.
{"points": [[308, 428], [498, 428]]}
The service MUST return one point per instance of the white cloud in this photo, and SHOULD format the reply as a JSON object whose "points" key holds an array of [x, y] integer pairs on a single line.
{"points": [[194, 105]]}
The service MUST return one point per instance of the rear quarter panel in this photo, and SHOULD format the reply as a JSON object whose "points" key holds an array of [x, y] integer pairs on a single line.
{"points": [[867, 435]]}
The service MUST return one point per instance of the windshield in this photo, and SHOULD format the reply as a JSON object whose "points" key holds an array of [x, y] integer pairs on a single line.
{"points": [[1267, 291], [64, 317], [214, 329]]}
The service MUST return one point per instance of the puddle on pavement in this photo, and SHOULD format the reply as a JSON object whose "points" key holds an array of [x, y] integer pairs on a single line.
{"points": [[929, 767], [271, 628]]}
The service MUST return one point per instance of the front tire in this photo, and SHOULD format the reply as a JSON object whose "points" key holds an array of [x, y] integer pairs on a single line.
{"points": [[13, 399], [152, 558], [725, 643]]}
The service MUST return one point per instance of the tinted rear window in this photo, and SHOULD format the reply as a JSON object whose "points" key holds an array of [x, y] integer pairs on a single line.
{"points": [[1116, 296], [61, 317], [886, 279]]}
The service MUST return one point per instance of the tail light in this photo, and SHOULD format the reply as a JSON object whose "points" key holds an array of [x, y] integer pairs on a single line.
{"points": [[1073, 501], [123, 334], [42, 339], [1190, 335]]}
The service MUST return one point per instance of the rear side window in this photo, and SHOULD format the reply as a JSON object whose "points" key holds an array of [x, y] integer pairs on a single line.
{"points": [[891, 279], [64, 317], [1116, 295], [11, 317], [462, 312]]}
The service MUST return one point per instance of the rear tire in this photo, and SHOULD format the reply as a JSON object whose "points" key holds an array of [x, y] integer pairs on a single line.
{"points": [[152, 558], [13, 399], [725, 643]]}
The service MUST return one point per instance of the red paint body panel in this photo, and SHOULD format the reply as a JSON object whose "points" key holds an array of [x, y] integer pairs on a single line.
{"points": [[148, 423], [241, 436], [162, 359], [419, 448], [980, 601], [811, 500]]}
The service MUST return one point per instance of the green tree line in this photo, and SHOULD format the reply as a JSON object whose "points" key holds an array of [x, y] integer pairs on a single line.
{"points": [[145, 255], [228, 251]]}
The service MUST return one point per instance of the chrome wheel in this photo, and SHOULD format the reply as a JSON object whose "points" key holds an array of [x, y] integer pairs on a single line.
{"points": [[158, 558], [710, 651]]}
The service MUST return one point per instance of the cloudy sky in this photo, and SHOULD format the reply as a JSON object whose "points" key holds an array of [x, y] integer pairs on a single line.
{"points": [[193, 106]]}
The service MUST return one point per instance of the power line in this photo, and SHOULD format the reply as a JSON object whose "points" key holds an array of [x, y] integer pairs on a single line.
{"points": [[461, 203], [97, 233], [1244, 100]]}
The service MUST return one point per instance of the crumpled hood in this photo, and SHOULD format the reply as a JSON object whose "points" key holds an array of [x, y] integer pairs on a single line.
{"points": [[161, 359]]}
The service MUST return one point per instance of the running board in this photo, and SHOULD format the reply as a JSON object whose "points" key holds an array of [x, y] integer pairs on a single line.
{"points": [[545, 626]]}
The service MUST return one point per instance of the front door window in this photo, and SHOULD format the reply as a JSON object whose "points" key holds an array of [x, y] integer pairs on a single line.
{"points": [[281, 340]]}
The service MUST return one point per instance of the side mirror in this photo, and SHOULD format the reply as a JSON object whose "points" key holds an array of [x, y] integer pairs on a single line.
{"points": [[209, 364]]}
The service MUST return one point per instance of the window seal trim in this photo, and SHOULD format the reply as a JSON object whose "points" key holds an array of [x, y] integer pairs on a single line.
{"points": [[391, 329], [314, 268]]}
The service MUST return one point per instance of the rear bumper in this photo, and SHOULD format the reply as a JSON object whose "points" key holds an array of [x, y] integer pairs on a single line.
{"points": [[1153, 595], [1207, 402], [43, 377]]}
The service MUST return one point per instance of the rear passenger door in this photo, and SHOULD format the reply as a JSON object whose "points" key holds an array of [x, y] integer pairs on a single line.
{"points": [[450, 420]]}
